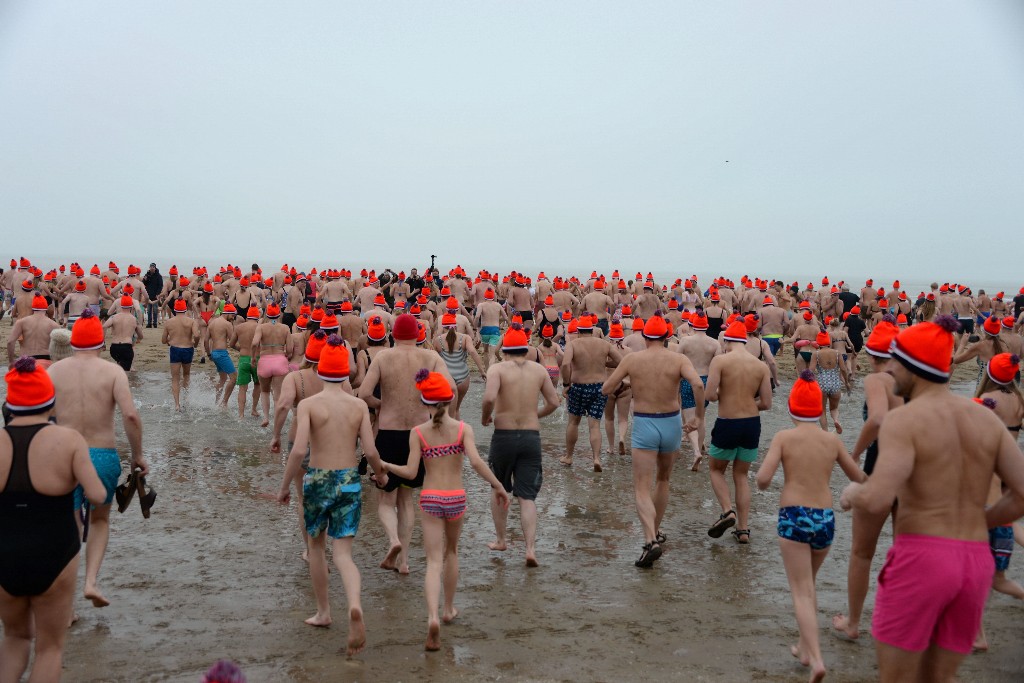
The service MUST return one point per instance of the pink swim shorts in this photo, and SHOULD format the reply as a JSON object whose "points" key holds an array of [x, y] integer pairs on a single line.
{"points": [[274, 365], [932, 591]]}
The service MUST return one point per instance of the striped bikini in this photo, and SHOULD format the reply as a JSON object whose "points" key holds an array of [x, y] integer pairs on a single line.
{"points": [[447, 505]]}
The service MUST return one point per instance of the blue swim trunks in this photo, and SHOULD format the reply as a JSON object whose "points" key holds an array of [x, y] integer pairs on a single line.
{"points": [[222, 360], [332, 500], [489, 335], [1000, 540], [658, 432], [587, 399], [686, 393], [108, 466], [182, 355], [813, 526]]}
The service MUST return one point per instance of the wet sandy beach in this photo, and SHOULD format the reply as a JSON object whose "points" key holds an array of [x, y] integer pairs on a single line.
{"points": [[216, 572]]}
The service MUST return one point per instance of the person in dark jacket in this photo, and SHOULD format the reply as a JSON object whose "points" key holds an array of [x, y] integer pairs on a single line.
{"points": [[154, 283]]}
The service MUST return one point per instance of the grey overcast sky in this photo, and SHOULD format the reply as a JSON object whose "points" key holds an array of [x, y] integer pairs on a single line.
{"points": [[879, 138]]}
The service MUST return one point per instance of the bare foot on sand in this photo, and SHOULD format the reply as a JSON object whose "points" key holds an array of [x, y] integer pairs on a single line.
{"points": [[980, 644], [531, 560], [93, 595], [795, 651], [696, 463], [356, 632], [565, 461], [449, 616], [597, 466], [839, 427], [265, 422], [404, 570], [389, 559], [433, 636], [1001, 584], [74, 618], [622, 447], [841, 626], [817, 672], [319, 620], [500, 546]]}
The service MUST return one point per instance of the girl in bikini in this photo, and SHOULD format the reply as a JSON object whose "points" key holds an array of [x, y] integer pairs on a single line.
{"points": [[441, 443], [205, 307]]}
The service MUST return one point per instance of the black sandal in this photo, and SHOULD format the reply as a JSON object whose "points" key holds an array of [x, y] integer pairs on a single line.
{"points": [[660, 538], [723, 523], [741, 532], [125, 492], [652, 551], [146, 498]]}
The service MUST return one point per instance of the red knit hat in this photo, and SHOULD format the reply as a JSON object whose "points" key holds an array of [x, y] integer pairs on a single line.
{"points": [[317, 315], [548, 331], [992, 326], [656, 327], [127, 302], [751, 323], [333, 366], [29, 387], [699, 321], [180, 306], [1008, 322], [229, 309], [39, 303], [273, 311], [449, 320], [315, 346], [379, 300], [421, 333], [329, 323], [926, 349], [737, 331], [302, 322], [515, 339], [638, 325], [880, 340], [585, 323], [489, 295], [346, 307], [823, 340], [375, 329], [252, 314], [433, 387], [1003, 368], [805, 398], [615, 331], [405, 328], [87, 332]]}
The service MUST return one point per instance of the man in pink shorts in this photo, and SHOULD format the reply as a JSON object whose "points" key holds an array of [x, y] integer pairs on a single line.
{"points": [[936, 454]]}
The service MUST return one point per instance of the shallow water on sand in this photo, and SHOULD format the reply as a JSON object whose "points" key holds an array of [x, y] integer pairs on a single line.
{"points": [[216, 573]]}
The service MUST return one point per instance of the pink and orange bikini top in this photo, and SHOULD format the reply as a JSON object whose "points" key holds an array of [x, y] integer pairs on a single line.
{"points": [[444, 449]]}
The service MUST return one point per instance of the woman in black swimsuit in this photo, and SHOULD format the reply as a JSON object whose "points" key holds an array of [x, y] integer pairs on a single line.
{"points": [[879, 399], [40, 464]]}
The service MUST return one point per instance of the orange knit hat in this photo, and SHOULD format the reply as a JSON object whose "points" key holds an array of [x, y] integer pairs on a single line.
{"points": [[737, 331], [29, 388], [333, 365], [87, 332], [315, 346], [880, 340], [805, 399], [515, 339], [433, 387], [656, 327], [39, 303], [1003, 368], [926, 349]]}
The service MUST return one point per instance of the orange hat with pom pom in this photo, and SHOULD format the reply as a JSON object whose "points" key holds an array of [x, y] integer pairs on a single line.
{"points": [[737, 331], [315, 346], [1003, 368], [333, 365], [515, 339], [375, 329], [433, 387], [87, 332], [805, 398], [29, 387], [926, 349]]}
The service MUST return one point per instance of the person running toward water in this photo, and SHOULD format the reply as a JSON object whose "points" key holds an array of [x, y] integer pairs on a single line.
{"points": [[583, 372], [247, 365], [829, 368], [222, 336], [742, 386], [454, 348], [619, 402], [40, 465], [399, 409], [879, 399], [654, 374], [89, 389], [440, 444], [330, 424], [125, 330], [806, 521], [699, 348], [939, 452], [181, 333], [271, 342], [999, 392], [510, 402]]}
